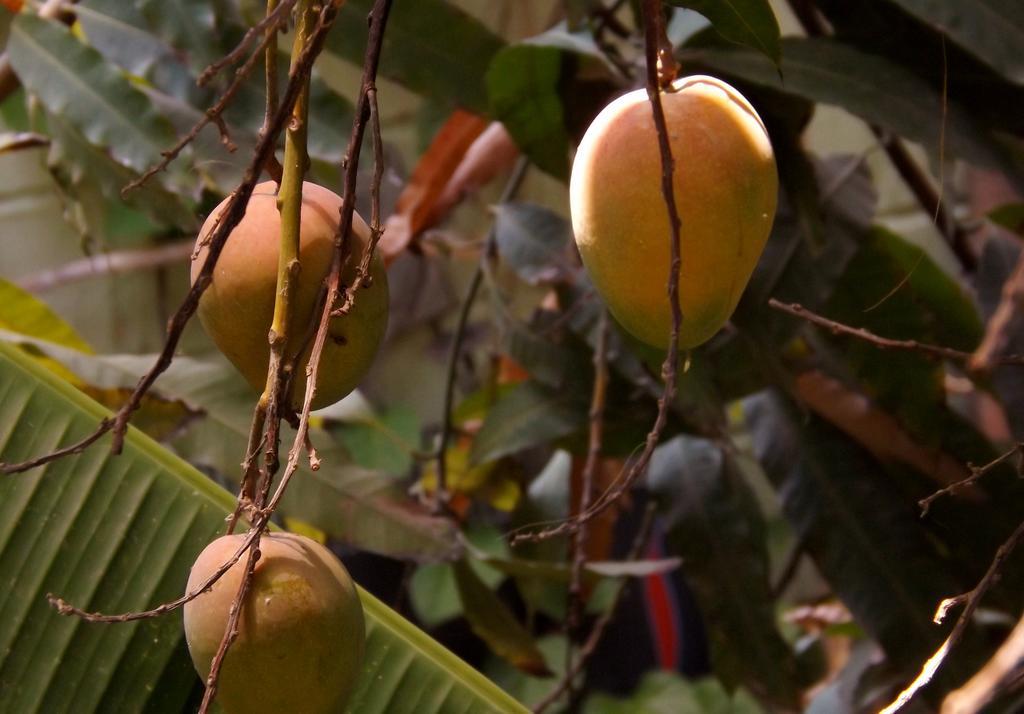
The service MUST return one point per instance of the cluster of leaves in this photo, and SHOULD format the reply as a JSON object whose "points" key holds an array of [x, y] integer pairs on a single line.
{"points": [[783, 442]]}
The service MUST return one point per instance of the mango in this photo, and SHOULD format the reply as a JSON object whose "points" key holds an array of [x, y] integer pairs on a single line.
{"points": [[301, 632], [238, 306], [725, 187]]}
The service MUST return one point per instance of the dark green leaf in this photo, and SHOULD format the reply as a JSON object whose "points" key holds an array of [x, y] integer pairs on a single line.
{"points": [[187, 25], [495, 624], [1009, 216], [430, 46], [120, 33], [77, 164], [714, 524], [523, 85], [533, 240], [544, 360], [745, 22], [75, 82], [967, 81], [894, 289], [870, 87], [991, 29], [870, 545], [529, 415]]}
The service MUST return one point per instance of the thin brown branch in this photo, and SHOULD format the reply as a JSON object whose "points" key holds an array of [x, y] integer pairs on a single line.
{"points": [[231, 216], [970, 600], [597, 632], [885, 343], [998, 330], [112, 263], [65, 608], [659, 70], [250, 467], [594, 444], [977, 472], [275, 17], [447, 427], [362, 277], [231, 631]]}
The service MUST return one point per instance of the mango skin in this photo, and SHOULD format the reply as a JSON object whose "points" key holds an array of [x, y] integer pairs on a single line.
{"points": [[238, 306], [301, 636], [726, 188]]}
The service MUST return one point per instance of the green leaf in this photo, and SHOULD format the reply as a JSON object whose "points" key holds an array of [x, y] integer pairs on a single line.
{"points": [[745, 22], [495, 624], [714, 524], [75, 82], [353, 505], [119, 534], [894, 289], [533, 240], [523, 86], [665, 692], [187, 25], [993, 30], [79, 164], [385, 442], [529, 415], [367, 510], [22, 313], [870, 545], [119, 32], [1010, 216], [869, 86], [430, 47]]}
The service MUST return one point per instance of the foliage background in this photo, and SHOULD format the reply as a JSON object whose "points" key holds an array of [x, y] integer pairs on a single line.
{"points": [[794, 460]]}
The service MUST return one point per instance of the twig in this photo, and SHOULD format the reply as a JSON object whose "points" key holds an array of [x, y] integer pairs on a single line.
{"points": [[65, 608], [231, 631], [660, 69], [838, 328], [447, 428], [214, 113], [275, 16], [976, 473], [362, 276], [112, 263], [250, 468], [970, 600], [999, 675], [997, 331], [579, 544], [594, 638]]}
